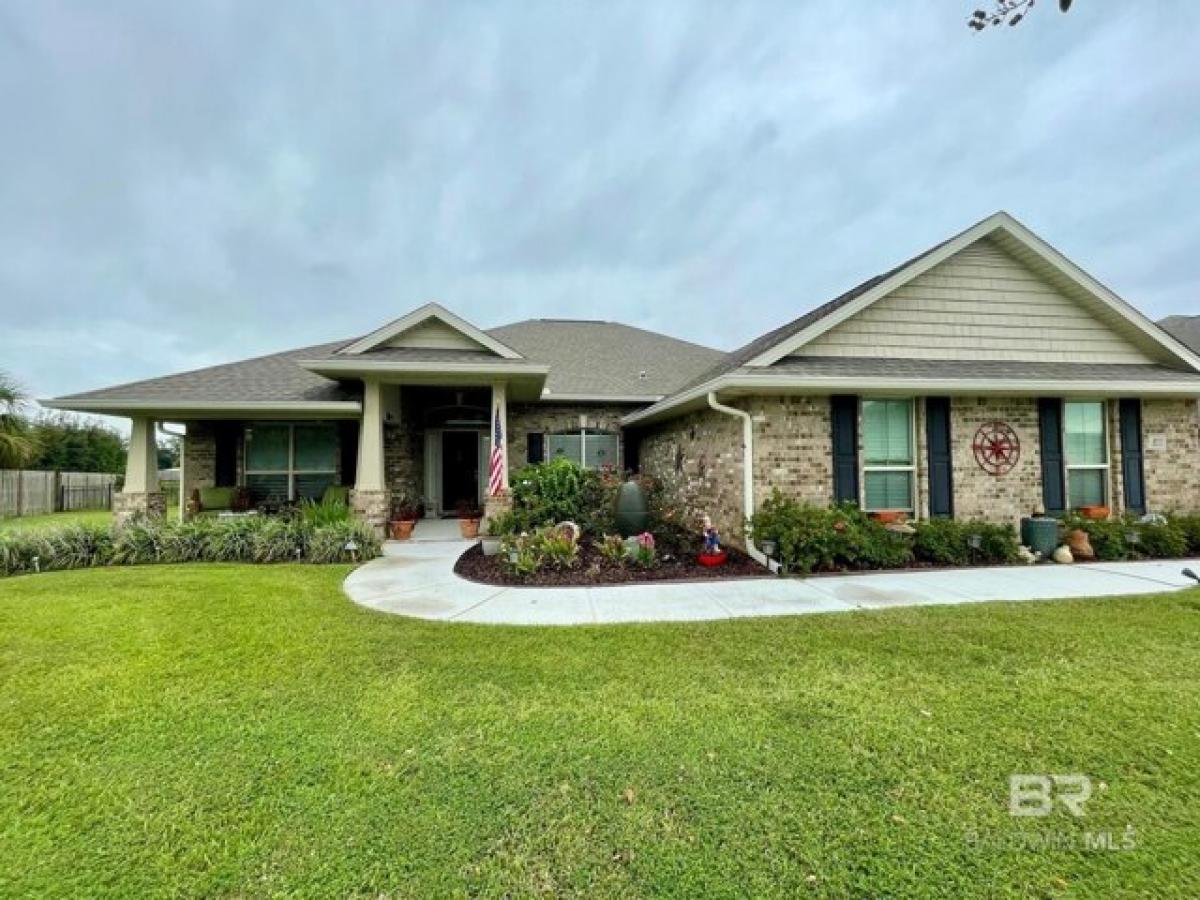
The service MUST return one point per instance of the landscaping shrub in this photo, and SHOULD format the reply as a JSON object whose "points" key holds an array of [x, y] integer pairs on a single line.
{"points": [[1190, 527], [644, 552], [329, 511], [1160, 540], [947, 542], [559, 490], [811, 538], [612, 549], [253, 539]]}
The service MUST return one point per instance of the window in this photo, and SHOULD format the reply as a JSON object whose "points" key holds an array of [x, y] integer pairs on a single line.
{"points": [[1086, 447], [290, 462], [590, 448], [887, 427]]}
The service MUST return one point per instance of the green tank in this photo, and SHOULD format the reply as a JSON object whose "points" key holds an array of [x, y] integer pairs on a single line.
{"points": [[632, 511], [1040, 534]]}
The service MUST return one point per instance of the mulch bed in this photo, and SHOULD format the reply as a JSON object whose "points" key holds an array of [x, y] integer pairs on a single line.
{"points": [[592, 568]]}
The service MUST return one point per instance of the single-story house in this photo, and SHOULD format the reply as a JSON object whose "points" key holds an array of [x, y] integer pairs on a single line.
{"points": [[987, 377]]}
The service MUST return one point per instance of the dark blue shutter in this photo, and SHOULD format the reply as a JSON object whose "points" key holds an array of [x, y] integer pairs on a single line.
{"points": [[348, 445], [1131, 455], [1054, 491], [844, 419], [941, 471], [536, 443], [225, 440]]}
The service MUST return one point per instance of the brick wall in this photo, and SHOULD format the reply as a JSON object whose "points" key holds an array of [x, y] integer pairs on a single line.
{"points": [[546, 418], [1172, 471], [978, 495], [404, 458], [199, 457], [793, 447], [697, 459]]}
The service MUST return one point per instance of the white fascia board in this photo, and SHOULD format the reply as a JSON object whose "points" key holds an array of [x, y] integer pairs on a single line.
{"points": [[550, 397], [755, 383], [1007, 386], [206, 406], [421, 314], [1000, 221]]}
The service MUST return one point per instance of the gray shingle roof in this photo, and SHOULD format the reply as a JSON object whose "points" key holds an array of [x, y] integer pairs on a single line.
{"points": [[606, 359], [600, 359], [1185, 329], [273, 378]]}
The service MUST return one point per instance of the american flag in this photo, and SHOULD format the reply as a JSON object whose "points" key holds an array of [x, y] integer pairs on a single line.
{"points": [[496, 470]]}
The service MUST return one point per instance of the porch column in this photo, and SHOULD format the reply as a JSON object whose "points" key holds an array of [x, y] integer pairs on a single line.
{"points": [[371, 498], [498, 499], [140, 495]]}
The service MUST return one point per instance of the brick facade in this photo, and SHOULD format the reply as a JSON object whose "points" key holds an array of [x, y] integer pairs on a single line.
{"points": [[1171, 455], [697, 457], [978, 494], [546, 418]]}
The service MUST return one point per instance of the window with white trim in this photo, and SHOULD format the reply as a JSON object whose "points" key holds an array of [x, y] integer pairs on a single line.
{"points": [[288, 462], [1085, 445], [888, 455], [588, 447]]}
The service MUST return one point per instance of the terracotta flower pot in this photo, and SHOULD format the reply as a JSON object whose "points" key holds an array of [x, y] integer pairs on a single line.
{"points": [[402, 529], [889, 516], [1094, 512], [469, 527], [1080, 544]]}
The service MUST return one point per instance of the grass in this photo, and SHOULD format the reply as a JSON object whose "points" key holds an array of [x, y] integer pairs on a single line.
{"points": [[55, 520], [231, 730]]}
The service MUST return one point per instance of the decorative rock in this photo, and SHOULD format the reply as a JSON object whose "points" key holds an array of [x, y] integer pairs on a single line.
{"points": [[1027, 556], [1080, 544], [1063, 555]]}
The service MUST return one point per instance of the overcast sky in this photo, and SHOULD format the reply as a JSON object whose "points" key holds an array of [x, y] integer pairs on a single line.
{"points": [[189, 183]]}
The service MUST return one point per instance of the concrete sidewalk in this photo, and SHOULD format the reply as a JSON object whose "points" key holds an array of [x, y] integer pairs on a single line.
{"points": [[417, 579]]}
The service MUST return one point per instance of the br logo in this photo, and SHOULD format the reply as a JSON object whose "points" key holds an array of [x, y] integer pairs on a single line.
{"points": [[1035, 795]]}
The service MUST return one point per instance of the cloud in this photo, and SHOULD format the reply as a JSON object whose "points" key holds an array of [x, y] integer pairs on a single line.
{"points": [[188, 184]]}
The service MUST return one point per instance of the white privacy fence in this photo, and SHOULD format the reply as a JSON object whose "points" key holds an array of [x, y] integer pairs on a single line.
{"points": [[25, 493]]}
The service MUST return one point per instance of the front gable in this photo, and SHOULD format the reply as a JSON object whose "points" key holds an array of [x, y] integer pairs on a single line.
{"points": [[995, 291], [430, 327], [983, 303]]}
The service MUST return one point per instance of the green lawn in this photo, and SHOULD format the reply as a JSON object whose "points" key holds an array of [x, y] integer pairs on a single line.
{"points": [[53, 520], [232, 730]]}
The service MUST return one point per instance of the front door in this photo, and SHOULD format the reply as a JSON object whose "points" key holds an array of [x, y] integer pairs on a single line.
{"points": [[460, 468]]}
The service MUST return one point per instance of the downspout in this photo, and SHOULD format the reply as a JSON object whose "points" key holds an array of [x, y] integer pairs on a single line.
{"points": [[747, 468]]}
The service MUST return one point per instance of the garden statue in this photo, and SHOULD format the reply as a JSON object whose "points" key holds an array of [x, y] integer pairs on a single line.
{"points": [[712, 554], [712, 538]]}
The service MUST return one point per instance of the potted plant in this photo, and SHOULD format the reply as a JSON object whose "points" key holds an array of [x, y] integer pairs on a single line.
{"points": [[498, 528], [1095, 511], [889, 516], [468, 518], [403, 520]]}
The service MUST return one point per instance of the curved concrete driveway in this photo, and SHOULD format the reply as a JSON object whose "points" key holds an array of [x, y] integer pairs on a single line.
{"points": [[417, 579]]}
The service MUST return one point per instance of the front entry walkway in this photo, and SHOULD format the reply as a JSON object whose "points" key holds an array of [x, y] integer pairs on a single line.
{"points": [[416, 578]]}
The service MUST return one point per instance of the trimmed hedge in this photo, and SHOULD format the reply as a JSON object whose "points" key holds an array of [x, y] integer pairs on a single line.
{"points": [[812, 538], [253, 539], [1131, 538], [949, 542]]}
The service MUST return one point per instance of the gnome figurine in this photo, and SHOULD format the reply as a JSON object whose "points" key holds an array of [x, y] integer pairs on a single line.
{"points": [[712, 538]]}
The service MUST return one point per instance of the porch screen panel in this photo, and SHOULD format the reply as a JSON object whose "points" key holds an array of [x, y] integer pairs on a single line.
{"points": [[563, 446], [267, 454], [601, 449]]}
